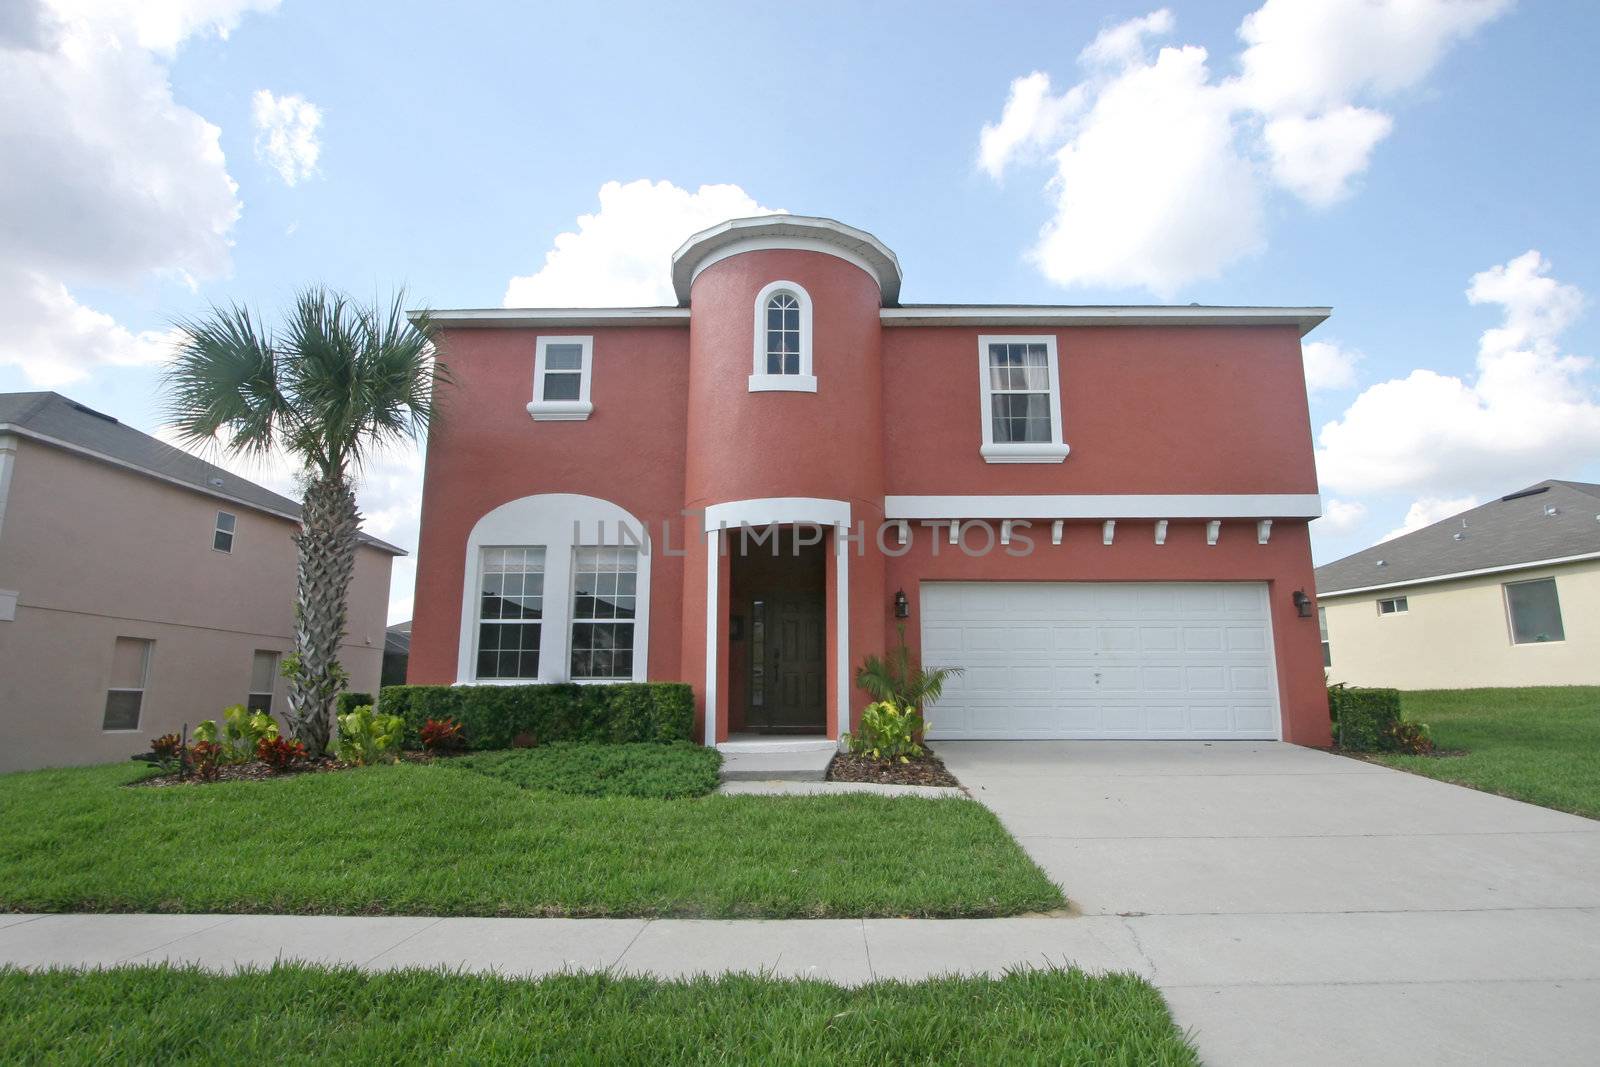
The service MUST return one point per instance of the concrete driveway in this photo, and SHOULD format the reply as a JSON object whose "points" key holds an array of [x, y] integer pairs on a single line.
{"points": [[1300, 907]]}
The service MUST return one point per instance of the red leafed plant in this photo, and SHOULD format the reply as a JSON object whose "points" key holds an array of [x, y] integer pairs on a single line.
{"points": [[279, 753], [166, 752], [205, 760], [443, 735]]}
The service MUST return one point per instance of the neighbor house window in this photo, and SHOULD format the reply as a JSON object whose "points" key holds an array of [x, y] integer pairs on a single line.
{"points": [[1322, 629], [1395, 605], [1535, 612], [222, 536], [510, 607], [604, 594], [130, 672], [1020, 383], [263, 673], [783, 340], [562, 368]]}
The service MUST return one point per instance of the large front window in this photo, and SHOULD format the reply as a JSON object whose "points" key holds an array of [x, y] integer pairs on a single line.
{"points": [[1020, 385], [510, 610], [604, 597], [1535, 612]]}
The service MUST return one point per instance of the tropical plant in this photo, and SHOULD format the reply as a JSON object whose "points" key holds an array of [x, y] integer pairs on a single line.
{"points": [[165, 752], [896, 679], [239, 734], [888, 731], [366, 737], [336, 382], [205, 760], [443, 735], [280, 753]]}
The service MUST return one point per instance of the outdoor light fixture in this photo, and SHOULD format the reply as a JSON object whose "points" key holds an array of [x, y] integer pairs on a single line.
{"points": [[902, 606], [1302, 603]]}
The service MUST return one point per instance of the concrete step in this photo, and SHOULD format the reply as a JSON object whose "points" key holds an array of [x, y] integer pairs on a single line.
{"points": [[745, 764]]}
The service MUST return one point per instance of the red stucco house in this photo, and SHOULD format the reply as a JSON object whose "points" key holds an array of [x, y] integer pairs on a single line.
{"points": [[1100, 513]]}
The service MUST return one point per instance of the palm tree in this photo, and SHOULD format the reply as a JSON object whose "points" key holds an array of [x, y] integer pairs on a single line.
{"points": [[337, 381], [896, 678]]}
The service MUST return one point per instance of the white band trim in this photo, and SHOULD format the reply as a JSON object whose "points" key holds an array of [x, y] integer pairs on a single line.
{"points": [[764, 511], [1116, 505]]}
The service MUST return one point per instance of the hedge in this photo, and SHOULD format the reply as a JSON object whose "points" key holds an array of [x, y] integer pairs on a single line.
{"points": [[345, 703], [496, 716], [1363, 719]]}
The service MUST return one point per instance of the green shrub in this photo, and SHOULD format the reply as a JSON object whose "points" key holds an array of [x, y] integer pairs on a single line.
{"points": [[888, 732], [366, 737], [495, 716], [241, 732], [641, 769], [1364, 720], [346, 702]]}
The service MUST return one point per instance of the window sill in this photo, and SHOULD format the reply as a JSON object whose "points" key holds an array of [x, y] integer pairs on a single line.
{"points": [[1025, 453], [783, 383], [559, 410]]}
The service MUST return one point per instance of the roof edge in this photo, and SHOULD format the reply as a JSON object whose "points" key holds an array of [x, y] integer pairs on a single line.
{"points": [[807, 232], [1457, 575]]}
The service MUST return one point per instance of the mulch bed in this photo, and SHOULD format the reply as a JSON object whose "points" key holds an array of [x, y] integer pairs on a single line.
{"points": [[256, 771], [927, 769]]}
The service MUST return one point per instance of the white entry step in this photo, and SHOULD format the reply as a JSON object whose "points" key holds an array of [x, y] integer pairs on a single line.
{"points": [[798, 759]]}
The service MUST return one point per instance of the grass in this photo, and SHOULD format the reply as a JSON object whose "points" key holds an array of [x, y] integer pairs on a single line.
{"points": [[300, 1014], [430, 839], [634, 770], [1541, 745]]}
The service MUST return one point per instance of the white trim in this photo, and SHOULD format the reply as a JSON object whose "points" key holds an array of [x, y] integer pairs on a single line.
{"points": [[1511, 625], [1055, 531], [216, 528], [1213, 531], [760, 380], [1052, 451], [1120, 505], [1304, 318], [1263, 531], [1459, 574], [577, 410], [555, 317], [1108, 531], [547, 520], [1161, 531], [805, 233], [841, 626], [765, 511], [713, 559]]}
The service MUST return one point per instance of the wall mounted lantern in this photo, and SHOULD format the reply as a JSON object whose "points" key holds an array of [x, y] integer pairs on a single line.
{"points": [[1302, 604], [902, 606]]}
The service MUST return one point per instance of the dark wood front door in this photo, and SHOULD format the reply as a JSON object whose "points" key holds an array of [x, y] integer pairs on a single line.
{"points": [[788, 663]]}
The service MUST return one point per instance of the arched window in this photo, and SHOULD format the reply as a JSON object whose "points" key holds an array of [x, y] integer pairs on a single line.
{"points": [[783, 340]]}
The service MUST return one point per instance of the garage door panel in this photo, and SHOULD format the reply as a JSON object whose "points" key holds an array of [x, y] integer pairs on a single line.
{"points": [[1115, 660]]}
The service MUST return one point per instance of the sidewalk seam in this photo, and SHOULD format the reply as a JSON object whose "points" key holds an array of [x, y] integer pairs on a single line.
{"points": [[225, 920], [373, 959], [637, 934]]}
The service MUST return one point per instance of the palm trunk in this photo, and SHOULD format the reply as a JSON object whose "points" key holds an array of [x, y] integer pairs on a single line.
{"points": [[329, 525]]}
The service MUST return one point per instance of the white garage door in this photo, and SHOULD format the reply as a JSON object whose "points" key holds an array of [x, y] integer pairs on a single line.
{"points": [[1101, 659]]}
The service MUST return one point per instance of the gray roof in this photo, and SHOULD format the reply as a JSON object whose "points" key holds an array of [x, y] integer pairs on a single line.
{"points": [[55, 419], [1551, 520], [398, 639]]}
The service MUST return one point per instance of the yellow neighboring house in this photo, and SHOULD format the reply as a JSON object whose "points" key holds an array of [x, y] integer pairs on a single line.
{"points": [[142, 588], [1506, 594]]}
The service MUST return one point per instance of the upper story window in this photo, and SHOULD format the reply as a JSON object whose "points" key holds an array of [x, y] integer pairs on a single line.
{"points": [[1535, 612], [1394, 605], [783, 340], [222, 535], [562, 369], [1020, 380]]}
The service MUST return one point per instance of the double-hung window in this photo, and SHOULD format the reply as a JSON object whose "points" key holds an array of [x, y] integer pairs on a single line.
{"points": [[783, 341], [130, 673], [222, 534], [562, 369], [510, 612], [263, 674], [1020, 383], [604, 598], [1534, 610]]}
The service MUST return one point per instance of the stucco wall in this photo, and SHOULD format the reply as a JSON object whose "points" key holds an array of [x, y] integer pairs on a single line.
{"points": [[1455, 635], [98, 552]]}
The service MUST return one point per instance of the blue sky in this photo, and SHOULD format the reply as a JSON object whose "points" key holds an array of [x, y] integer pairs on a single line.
{"points": [[1376, 158]]}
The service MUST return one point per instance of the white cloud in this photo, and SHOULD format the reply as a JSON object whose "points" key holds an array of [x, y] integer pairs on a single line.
{"points": [[1429, 510], [1328, 366], [107, 180], [1341, 516], [621, 255], [1160, 167], [286, 134], [1528, 413]]}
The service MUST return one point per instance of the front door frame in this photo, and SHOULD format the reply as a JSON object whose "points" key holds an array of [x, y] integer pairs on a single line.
{"points": [[767, 620]]}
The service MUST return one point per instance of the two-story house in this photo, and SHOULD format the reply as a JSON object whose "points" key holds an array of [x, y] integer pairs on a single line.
{"points": [[142, 588], [1099, 513]]}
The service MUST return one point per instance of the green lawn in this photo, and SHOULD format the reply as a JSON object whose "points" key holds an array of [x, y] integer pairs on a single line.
{"points": [[298, 1014], [633, 770], [435, 839], [1541, 745]]}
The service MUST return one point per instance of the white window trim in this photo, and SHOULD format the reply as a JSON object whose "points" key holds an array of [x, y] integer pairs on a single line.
{"points": [[216, 528], [760, 380], [577, 410], [270, 694], [573, 621], [1053, 451], [1399, 609], [559, 522], [1511, 629]]}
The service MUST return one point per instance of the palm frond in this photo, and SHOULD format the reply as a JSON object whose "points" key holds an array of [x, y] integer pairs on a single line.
{"points": [[223, 382]]}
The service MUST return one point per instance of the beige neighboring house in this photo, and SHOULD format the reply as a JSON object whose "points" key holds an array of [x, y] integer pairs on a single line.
{"points": [[1506, 594], [142, 588]]}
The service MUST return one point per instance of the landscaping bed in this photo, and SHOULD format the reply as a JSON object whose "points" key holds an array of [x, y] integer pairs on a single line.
{"points": [[296, 1013], [444, 838], [926, 769]]}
